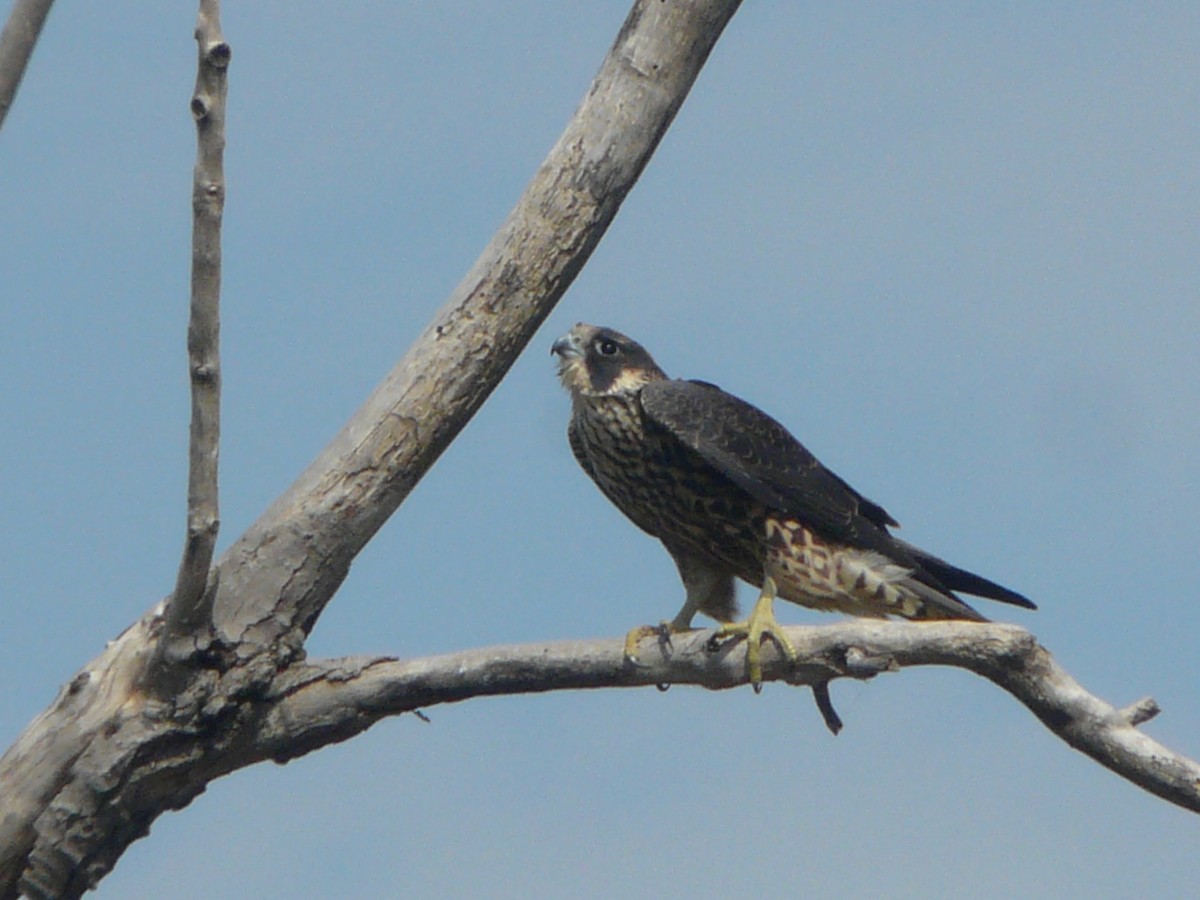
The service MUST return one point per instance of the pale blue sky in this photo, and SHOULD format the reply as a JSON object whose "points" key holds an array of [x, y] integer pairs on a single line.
{"points": [[955, 248]]}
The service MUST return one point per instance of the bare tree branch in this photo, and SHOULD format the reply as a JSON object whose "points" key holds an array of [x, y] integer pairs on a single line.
{"points": [[323, 702], [17, 41], [188, 609], [91, 773]]}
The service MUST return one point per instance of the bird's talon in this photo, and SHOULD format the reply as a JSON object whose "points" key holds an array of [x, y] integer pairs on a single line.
{"points": [[757, 628], [664, 635], [633, 638], [661, 632]]}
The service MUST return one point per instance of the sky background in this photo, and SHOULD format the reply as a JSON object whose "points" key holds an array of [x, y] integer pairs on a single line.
{"points": [[954, 247]]}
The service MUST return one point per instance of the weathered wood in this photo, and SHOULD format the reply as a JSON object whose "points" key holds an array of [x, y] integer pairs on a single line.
{"points": [[323, 702], [190, 604], [141, 730]]}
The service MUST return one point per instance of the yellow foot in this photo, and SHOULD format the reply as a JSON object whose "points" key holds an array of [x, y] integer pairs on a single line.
{"points": [[662, 631], [760, 625]]}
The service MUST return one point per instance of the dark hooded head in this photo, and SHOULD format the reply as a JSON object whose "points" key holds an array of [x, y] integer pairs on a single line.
{"points": [[595, 361]]}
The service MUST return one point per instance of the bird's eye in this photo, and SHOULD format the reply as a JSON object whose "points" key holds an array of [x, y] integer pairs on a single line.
{"points": [[607, 347]]}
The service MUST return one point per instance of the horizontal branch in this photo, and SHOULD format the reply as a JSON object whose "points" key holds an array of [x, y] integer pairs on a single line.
{"points": [[119, 757], [323, 702]]}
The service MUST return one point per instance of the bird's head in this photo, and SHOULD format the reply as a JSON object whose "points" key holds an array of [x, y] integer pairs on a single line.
{"points": [[600, 362]]}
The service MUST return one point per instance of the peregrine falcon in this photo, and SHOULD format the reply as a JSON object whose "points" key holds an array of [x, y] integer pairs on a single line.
{"points": [[731, 494]]}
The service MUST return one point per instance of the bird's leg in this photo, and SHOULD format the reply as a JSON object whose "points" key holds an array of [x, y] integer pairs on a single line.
{"points": [[760, 624]]}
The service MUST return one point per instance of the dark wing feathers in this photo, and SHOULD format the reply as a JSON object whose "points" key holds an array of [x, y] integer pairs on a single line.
{"points": [[762, 458], [956, 579]]}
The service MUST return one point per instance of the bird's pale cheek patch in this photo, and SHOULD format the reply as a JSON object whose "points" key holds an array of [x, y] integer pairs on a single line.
{"points": [[628, 381], [573, 376]]}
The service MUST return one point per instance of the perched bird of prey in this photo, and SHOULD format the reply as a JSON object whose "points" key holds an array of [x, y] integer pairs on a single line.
{"points": [[731, 494]]}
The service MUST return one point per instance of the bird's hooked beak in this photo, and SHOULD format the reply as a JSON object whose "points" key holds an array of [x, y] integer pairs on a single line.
{"points": [[567, 347], [572, 370]]}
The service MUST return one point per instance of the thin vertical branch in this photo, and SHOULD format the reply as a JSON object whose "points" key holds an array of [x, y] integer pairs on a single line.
{"points": [[20, 34], [188, 609]]}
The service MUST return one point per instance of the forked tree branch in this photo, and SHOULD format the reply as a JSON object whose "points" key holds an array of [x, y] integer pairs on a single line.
{"points": [[139, 731], [17, 41]]}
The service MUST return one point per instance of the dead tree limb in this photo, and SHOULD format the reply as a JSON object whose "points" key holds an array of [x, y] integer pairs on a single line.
{"points": [[188, 610], [139, 731], [325, 701]]}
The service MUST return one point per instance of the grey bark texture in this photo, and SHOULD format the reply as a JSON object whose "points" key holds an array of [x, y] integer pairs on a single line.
{"points": [[335, 699], [180, 697], [190, 604]]}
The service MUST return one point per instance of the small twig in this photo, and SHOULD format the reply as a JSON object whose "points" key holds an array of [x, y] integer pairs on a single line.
{"points": [[825, 704], [1140, 711], [17, 41], [190, 606], [865, 666]]}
